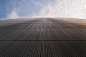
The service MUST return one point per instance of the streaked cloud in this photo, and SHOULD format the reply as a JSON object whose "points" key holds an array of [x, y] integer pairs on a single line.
{"points": [[43, 8], [64, 8], [14, 14]]}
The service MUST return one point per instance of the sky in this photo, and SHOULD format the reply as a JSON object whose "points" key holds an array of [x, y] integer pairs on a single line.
{"points": [[10, 9]]}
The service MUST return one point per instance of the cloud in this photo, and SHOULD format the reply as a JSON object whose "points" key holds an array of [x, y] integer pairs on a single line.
{"points": [[14, 14], [63, 8], [37, 3]]}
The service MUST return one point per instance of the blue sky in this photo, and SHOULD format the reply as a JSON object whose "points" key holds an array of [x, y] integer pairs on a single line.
{"points": [[42, 8]]}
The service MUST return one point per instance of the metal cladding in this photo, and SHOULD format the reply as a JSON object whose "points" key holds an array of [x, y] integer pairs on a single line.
{"points": [[43, 37]]}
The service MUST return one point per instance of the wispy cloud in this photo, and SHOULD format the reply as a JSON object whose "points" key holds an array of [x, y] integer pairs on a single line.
{"points": [[14, 14], [36, 3], [46, 8], [63, 8]]}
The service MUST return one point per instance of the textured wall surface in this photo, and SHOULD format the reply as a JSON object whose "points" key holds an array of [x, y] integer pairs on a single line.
{"points": [[43, 37]]}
